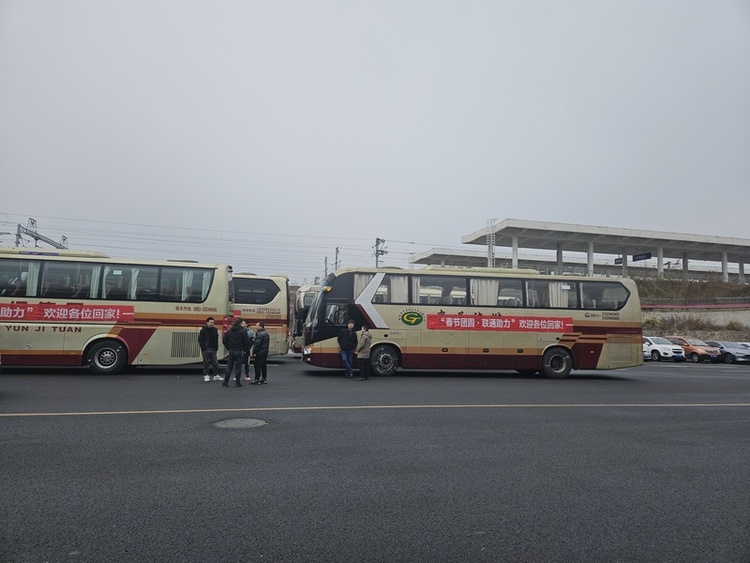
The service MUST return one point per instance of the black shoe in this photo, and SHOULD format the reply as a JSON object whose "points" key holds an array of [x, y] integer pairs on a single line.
{"points": [[361, 379], [224, 384], [238, 384], [256, 381], [263, 381]]}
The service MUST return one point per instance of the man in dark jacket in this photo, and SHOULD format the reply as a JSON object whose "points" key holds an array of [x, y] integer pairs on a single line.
{"points": [[347, 344], [260, 351], [236, 342], [208, 340]]}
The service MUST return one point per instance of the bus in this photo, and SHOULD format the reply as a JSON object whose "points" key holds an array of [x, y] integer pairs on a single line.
{"points": [[76, 308], [478, 318], [265, 298], [302, 300]]}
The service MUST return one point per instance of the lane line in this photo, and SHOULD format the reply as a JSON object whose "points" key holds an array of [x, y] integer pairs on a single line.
{"points": [[385, 407]]}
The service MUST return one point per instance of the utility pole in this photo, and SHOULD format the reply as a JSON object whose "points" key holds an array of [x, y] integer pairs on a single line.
{"points": [[30, 230], [491, 242], [336, 263], [325, 267], [379, 251]]}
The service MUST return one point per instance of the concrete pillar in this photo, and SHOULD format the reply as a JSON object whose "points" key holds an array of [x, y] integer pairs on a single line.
{"points": [[660, 261], [724, 266], [624, 265], [590, 258], [742, 271], [559, 266], [515, 251], [685, 265]]}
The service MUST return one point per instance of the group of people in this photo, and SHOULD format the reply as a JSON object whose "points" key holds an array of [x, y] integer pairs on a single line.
{"points": [[242, 343], [349, 345]]}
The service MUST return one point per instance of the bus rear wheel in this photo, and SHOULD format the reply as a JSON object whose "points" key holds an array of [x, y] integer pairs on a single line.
{"points": [[106, 357], [384, 360], [557, 363]]}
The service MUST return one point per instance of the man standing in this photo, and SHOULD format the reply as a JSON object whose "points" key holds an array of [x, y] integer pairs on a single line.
{"points": [[236, 342], [347, 344], [208, 340], [249, 351], [260, 351], [363, 353]]}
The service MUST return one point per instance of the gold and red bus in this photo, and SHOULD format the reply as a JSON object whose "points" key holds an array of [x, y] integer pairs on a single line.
{"points": [[479, 318], [72, 308], [303, 298], [265, 298]]}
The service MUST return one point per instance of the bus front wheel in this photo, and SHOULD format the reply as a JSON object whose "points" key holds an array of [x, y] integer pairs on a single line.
{"points": [[106, 357], [384, 360], [557, 363]]}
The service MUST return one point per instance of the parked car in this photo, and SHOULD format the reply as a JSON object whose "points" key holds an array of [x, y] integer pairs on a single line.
{"points": [[655, 348], [731, 352], [695, 349]]}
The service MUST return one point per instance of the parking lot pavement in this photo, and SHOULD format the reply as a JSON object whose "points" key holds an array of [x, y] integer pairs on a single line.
{"points": [[645, 464]]}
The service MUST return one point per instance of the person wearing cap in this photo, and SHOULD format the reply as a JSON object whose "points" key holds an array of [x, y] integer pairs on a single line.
{"points": [[363, 353], [347, 343]]}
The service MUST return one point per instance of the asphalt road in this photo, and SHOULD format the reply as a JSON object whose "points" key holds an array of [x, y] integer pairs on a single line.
{"points": [[648, 464]]}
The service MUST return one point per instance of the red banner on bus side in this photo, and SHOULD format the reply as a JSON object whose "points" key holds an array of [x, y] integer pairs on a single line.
{"points": [[501, 324], [67, 313]]}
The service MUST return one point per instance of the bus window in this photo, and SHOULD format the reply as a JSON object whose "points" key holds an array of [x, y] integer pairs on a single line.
{"points": [[496, 292], [393, 289], [603, 295], [254, 291], [337, 314], [16, 275], [147, 283], [537, 293], [439, 290]]}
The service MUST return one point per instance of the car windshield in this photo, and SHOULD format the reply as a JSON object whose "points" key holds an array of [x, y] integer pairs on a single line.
{"points": [[657, 340], [731, 344], [696, 342]]}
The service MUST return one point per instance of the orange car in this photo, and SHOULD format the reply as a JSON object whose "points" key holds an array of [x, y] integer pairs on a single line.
{"points": [[695, 349]]}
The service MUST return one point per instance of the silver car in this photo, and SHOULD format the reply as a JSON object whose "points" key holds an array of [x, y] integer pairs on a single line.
{"points": [[731, 352]]}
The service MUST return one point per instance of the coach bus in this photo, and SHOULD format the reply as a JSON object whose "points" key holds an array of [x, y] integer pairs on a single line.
{"points": [[265, 298], [479, 318], [71, 308], [302, 300]]}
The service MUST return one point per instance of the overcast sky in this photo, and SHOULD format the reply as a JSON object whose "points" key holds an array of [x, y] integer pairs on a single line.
{"points": [[266, 134]]}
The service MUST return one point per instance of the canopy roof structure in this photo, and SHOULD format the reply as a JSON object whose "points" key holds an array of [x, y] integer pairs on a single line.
{"points": [[626, 244]]}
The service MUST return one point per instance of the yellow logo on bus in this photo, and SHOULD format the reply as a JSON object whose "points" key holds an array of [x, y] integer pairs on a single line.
{"points": [[412, 318]]}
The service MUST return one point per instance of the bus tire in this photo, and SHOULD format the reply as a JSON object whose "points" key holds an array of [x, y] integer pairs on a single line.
{"points": [[557, 363], [107, 357], [384, 360]]}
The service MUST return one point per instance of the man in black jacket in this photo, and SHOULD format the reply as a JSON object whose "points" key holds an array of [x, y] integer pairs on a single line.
{"points": [[260, 351], [236, 342], [208, 340], [347, 344]]}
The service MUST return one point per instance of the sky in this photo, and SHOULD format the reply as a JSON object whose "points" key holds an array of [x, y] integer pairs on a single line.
{"points": [[269, 134]]}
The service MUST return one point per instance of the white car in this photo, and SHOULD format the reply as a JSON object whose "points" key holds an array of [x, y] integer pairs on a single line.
{"points": [[657, 348]]}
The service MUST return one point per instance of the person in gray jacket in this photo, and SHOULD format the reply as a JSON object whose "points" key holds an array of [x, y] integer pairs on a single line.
{"points": [[363, 353]]}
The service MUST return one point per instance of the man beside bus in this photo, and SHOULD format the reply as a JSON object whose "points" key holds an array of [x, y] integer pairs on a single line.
{"points": [[236, 342], [208, 340], [347, 343], [260, 352]]}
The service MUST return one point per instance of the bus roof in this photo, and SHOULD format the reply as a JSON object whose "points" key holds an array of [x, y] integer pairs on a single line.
{"points": [[72, 253], [91, 255], [461, 271]]}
